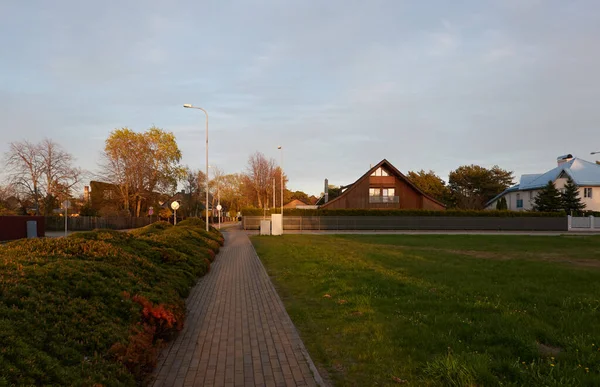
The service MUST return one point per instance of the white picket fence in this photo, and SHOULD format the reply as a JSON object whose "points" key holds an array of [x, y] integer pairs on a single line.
{"points": [[583, 222]]}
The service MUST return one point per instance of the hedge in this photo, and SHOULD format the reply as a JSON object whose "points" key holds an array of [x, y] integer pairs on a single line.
{"points": [[95, 308], [397, 212]]}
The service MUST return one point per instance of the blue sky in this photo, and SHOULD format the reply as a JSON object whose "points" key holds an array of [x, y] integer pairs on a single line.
{"points": [[340, 84]]}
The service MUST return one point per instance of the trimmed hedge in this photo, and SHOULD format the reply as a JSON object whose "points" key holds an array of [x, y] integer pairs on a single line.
{"points": [[397, 212], [94, 308]]}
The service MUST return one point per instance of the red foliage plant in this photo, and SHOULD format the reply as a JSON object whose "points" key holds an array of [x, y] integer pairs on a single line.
{"points": [[141, 351]]}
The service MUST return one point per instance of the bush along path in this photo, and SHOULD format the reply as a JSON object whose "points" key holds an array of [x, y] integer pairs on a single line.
{"points": [[96, 307]]}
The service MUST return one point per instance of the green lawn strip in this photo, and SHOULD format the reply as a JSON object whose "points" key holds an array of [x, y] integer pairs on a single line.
{"points": [[94, 308], [427, 310]]}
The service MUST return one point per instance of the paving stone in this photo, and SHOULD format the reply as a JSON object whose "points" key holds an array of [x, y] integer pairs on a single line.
{"points": [[237, 332]]}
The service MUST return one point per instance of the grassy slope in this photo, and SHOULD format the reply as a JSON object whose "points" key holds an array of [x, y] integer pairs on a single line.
{"points": [[443, 310], [68, 309]]}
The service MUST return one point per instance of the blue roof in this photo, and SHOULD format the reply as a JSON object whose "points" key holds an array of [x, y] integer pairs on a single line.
{"points": [[583, 173]]}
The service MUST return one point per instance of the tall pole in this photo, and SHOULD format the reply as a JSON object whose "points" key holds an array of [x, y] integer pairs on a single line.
{"points": [[206, 167], [66, 204], [274, 205], [281, 173], [187, 105]]}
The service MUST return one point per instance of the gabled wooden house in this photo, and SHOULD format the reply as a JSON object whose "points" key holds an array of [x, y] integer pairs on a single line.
{"points": [[383, 187]]}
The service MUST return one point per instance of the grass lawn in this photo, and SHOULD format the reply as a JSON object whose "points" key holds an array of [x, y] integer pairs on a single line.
{"points": [[455, 310]]}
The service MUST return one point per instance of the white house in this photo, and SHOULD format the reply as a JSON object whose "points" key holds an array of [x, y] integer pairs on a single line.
{"points": [[585, 174]]}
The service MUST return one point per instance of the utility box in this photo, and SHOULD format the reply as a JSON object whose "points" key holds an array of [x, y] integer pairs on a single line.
{"points": [[32, 229], [265, 227], [277, 222]]}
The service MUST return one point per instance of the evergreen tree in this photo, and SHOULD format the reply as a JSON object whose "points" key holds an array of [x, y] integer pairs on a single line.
{"points": [[501, 204], [548, 199], [570, 198]]}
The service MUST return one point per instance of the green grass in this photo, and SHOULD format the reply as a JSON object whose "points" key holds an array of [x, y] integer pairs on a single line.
{"points": [[448, 310]]}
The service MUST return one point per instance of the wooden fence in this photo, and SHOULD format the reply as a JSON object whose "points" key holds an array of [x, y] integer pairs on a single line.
{"points": [[86, 223]]}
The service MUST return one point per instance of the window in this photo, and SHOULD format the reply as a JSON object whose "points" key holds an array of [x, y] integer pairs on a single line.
{"points": [[374, 192], [519, 201], [388, 192], [587, 192], [380, 172]]}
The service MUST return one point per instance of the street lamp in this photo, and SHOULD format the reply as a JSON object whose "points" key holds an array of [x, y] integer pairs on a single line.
{"points": [[281, 173], [189, 106], [593, 153], [219, 207]]}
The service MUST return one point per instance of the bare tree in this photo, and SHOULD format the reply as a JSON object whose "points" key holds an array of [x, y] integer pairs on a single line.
{"points": [[260, 176], [58, 172], [43, 172], [24, 166]]}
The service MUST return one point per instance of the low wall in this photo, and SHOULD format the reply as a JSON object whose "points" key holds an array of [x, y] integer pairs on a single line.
{"points": [[482, 223], [15, 227]]}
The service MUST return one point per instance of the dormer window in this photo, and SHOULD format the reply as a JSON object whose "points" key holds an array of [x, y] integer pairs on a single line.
{"points": [[380, 172]]}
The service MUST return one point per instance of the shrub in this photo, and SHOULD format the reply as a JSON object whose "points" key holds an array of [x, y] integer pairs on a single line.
{"points": [[398, 212], [101, 334]]}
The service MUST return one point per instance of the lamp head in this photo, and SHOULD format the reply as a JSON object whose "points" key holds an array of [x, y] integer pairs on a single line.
{"points": [[279, 147], [187, 105]]}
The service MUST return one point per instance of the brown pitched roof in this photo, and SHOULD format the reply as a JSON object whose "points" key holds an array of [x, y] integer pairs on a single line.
{"points": [[395, 172]]}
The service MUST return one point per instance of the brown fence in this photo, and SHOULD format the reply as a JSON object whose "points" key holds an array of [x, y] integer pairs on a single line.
{"points": [[415, 223], [84, 223], [15, 227]]}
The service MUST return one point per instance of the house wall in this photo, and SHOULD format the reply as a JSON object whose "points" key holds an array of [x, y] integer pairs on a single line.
{"points": [[591, 204]]}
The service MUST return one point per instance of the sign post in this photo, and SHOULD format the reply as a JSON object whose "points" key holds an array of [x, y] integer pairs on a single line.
{"points": [[175, 206], [66, 204], [219, 209]]}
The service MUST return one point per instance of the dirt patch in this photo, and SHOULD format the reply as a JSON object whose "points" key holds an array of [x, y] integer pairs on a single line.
{"points": [[548, 350]]}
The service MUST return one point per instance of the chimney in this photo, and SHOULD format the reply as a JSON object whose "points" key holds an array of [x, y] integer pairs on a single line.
{"points": [[326, 191], [86, 193], [564, 159]]}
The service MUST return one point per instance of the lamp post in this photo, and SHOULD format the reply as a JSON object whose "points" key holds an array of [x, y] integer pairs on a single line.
{"points": [[593, 153], [190, 106], [281, 173], [175, 206]]}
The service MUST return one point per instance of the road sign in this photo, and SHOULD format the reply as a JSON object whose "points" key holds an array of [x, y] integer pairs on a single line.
{"points": [[150, 210], [175, 205], [219, 207]]}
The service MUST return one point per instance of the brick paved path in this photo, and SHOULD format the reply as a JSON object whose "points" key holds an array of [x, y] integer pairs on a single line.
{"points": [[237, 332]]}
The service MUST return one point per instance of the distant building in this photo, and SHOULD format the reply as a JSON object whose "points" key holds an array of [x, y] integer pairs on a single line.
{"points": [[585, 174], [383, 187]]}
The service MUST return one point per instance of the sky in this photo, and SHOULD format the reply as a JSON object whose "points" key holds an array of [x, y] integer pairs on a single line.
{"points": [[339, 84]]}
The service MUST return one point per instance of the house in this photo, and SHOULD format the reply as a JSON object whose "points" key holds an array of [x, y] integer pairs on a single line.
{"points": [[299, 204], [294, 203], [383, 187], [585, 174]]}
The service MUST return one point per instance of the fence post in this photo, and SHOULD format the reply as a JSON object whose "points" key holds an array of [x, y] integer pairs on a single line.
{"points": [[591, 222], [569, 221]]}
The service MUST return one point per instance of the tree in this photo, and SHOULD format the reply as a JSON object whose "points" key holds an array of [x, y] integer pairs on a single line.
{"points": [[232, 193], [548, 199], [141, 165], [299, 195], [43, 171], [501, 204], [431, 184], [194, 187], [570, 198], [261, 177], [472, 185], [333, 191]]}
